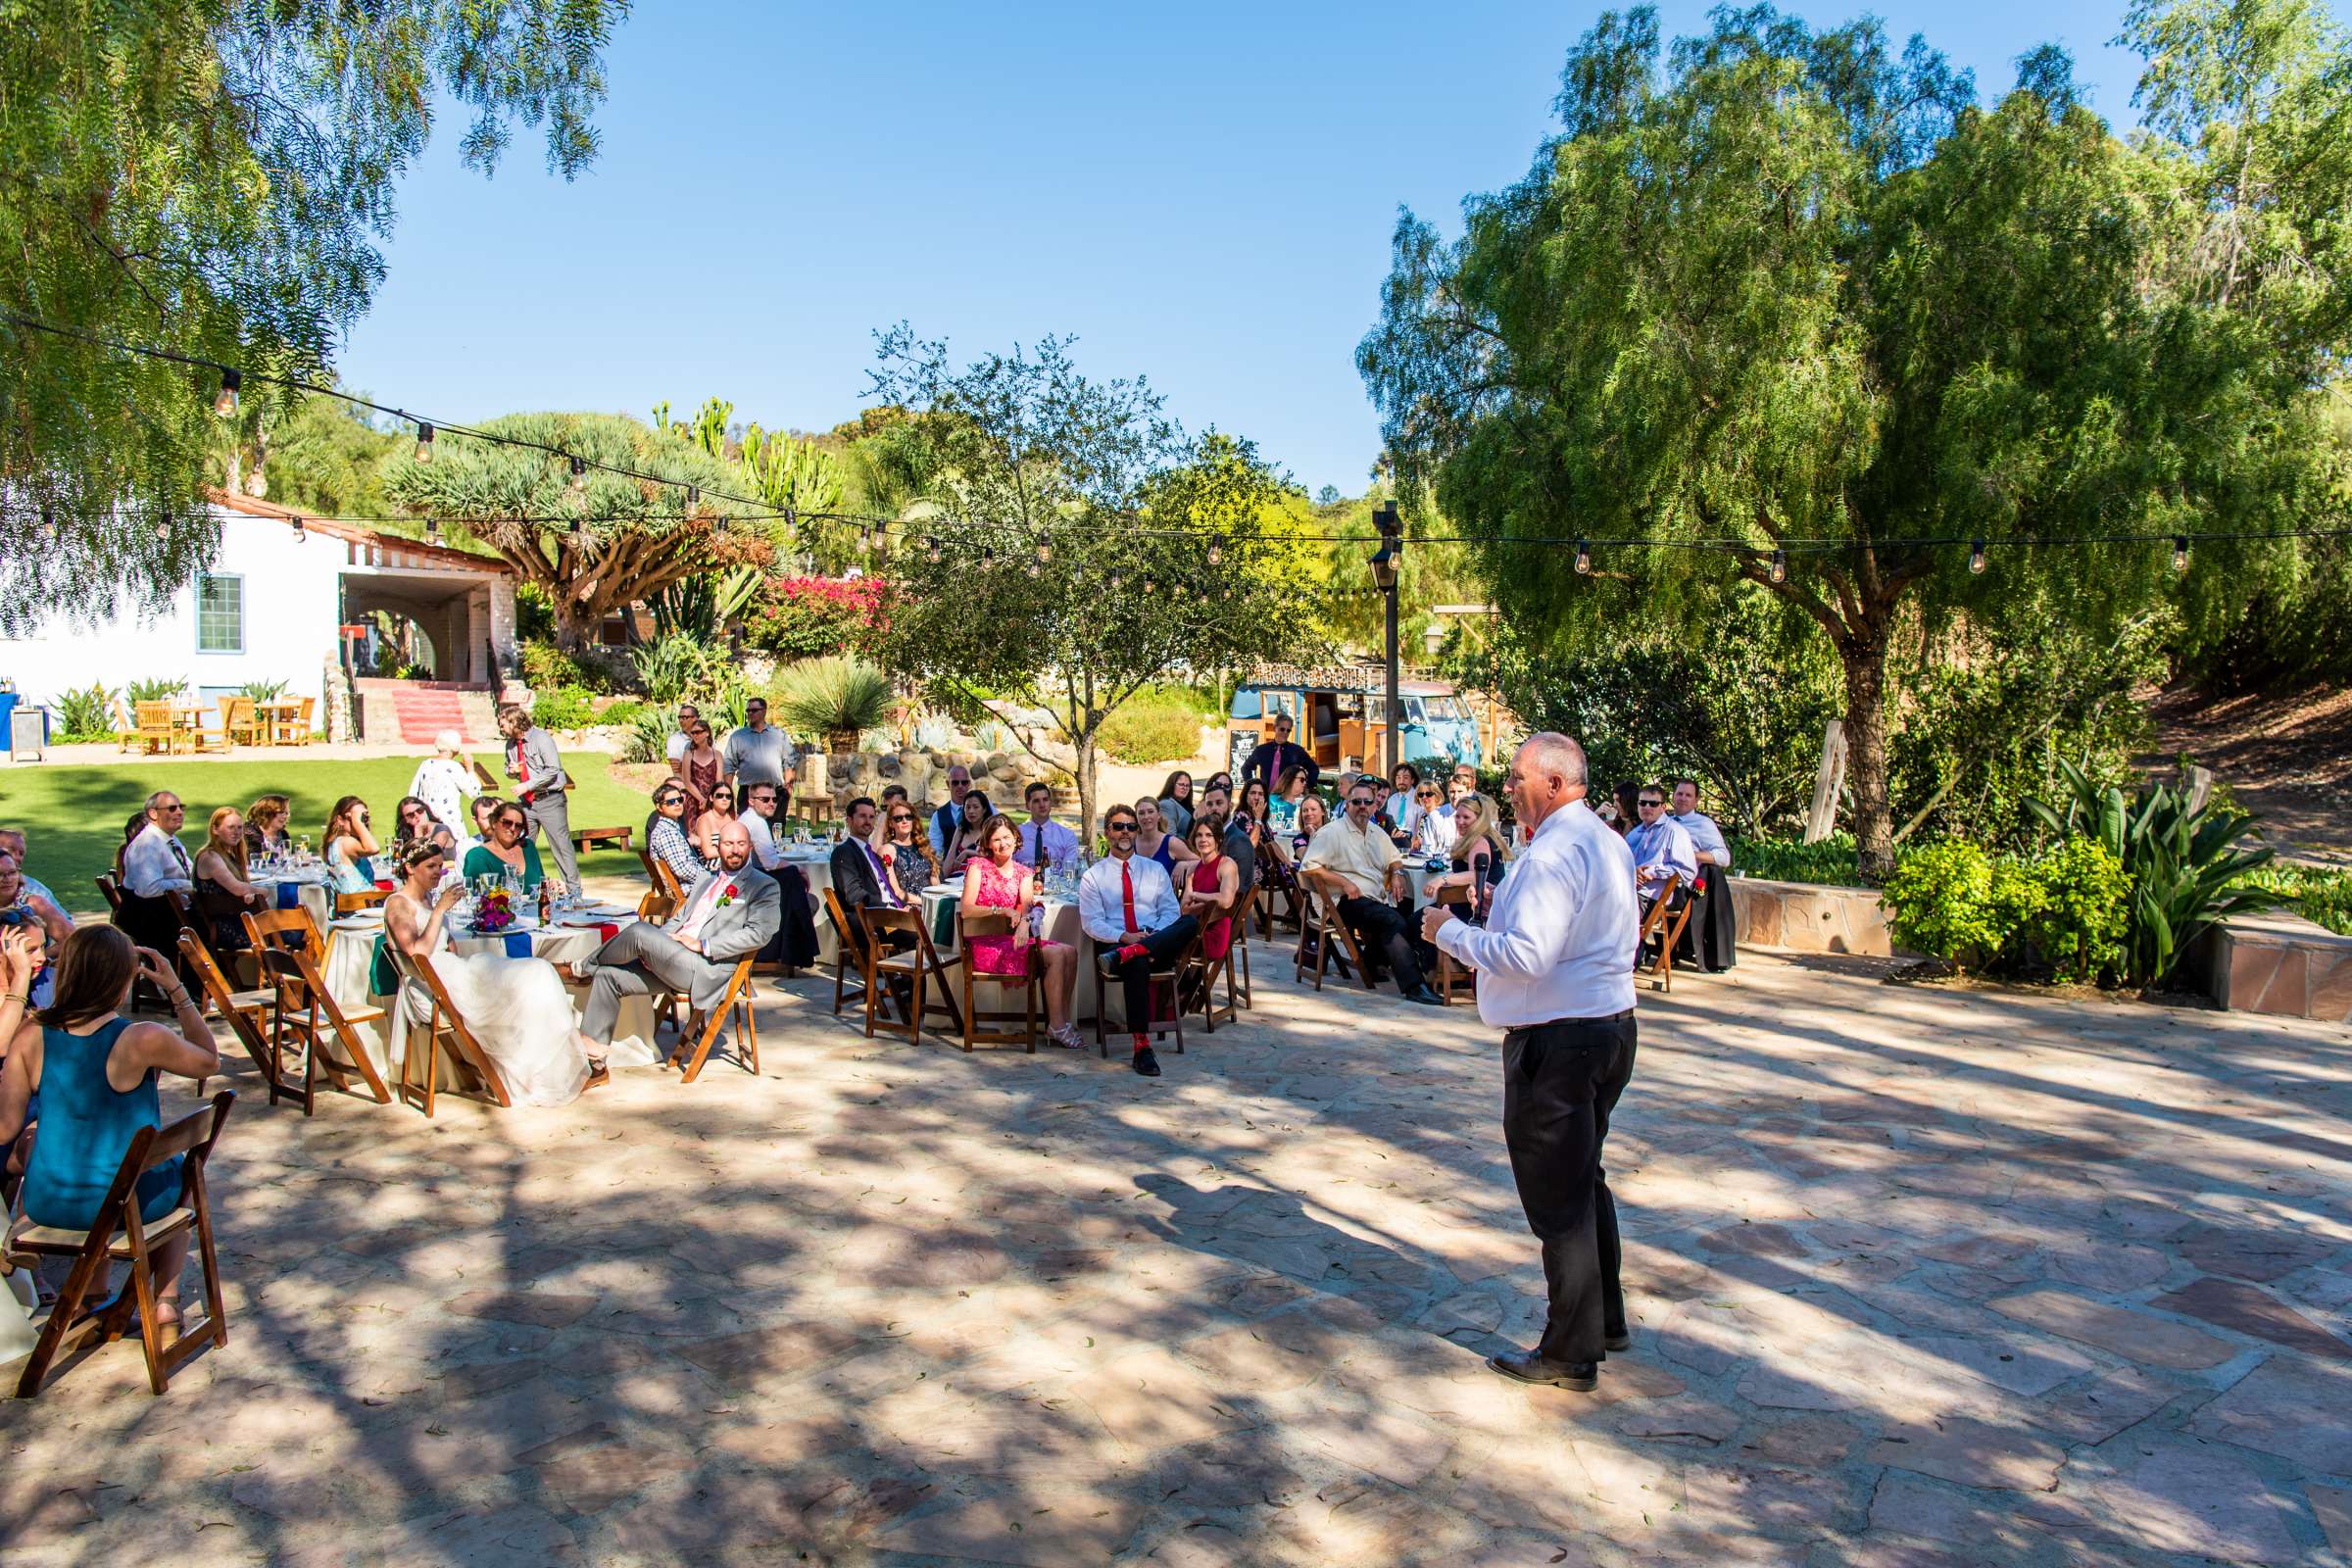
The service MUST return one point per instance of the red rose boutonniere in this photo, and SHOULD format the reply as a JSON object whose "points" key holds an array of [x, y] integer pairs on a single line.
{"points": [[727, 895]]}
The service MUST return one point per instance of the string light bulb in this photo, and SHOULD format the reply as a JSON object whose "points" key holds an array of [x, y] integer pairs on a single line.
{"points": [[300, 532], [48, 518], [1118, 580], [424, 441], [931, 549], [162, 526], [1975, 557], [580, 475], [1779, 570], [257, 483], [694, 498], [988, 557], [225, 401], [2179, 552], [432, 528], [792, 517], [1583, 558], [1217, 552], [575, 527], [1146, 587], [1045, 552]]}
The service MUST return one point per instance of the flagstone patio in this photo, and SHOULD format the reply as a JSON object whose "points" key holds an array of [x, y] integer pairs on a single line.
{"points": [[1918, 1276]]}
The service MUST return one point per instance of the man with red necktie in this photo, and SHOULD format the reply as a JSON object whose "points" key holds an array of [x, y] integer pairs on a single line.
{"points": [[1128, 906]]}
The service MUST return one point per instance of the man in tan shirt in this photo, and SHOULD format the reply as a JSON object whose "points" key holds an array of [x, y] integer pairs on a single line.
{"points": [[1353, 861]]}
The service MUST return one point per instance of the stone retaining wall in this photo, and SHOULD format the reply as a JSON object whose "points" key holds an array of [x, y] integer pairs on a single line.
{"points": [[1808, 917], [2274, 963], [2279, 963], [847, 775]]}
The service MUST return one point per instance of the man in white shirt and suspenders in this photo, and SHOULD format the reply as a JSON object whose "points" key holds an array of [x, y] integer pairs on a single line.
{"points": [[1551, 975]]}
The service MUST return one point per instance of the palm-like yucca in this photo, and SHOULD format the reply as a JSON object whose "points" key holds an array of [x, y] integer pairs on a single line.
{"points": [[833, 697], [2184, 860]]}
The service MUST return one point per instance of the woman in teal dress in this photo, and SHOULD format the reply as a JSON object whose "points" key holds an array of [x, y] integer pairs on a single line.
{"points": [[95, 1073], [507, 852], [349, 846]]}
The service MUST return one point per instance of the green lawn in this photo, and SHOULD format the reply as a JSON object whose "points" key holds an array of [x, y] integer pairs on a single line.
{"points": [[72, 816]]}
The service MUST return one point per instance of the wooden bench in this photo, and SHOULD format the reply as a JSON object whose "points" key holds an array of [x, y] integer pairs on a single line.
{"points": [[584, 839]]}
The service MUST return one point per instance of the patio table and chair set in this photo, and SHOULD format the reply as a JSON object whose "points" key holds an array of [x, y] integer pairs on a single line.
{"points": [[177, 725]]}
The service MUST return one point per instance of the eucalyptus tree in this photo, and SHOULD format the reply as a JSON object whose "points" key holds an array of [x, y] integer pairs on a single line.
{"points": [[1778, 305], [598, 542], [212, 177], [1078, 546]]}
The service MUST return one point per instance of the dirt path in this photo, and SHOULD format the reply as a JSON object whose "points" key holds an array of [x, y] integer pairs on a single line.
{"points": [[2284, 754]]}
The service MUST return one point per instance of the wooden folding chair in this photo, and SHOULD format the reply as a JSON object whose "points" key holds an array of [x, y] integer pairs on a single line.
{"points": [[921, 961], [111, 887], [1454, 979], [1241, 940], [660, 878], [446, 1037], [995, 923], [1201, 970], [1668, 914], [1167, 975], [69, 1327], [1322, 927], [286, 944], [1276, 879], [246, 1011], [701, 1030], [846, 952], [355, 903]]}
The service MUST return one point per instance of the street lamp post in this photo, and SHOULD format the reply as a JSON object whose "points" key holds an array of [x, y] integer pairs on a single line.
{"points": [[1384, 576]]}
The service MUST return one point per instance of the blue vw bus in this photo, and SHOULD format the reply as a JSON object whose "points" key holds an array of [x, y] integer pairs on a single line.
{"points": [[1340, 715]]}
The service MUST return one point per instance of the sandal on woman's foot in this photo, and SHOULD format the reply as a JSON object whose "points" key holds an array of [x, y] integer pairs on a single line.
{"points": [[598, 1077]]}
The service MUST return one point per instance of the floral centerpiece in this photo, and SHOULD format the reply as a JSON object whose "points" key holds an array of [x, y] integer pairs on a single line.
{"points": [[493, 911]]}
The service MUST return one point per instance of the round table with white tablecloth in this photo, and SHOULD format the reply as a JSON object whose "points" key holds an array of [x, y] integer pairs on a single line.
{"points": [[350, 961], [815, 863]]}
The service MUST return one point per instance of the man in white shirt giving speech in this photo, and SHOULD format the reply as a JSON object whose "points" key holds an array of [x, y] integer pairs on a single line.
{"points": [[1551, 976]]}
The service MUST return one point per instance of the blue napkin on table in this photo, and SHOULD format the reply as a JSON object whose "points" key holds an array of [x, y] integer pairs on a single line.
{"points": [[518, 944], [289, 895]]}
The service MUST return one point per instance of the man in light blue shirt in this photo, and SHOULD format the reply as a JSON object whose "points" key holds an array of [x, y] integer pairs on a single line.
{"points": [[1059, 843], [1660, 846]]}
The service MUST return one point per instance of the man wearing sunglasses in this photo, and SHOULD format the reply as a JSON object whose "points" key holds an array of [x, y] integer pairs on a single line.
{"points": [[1661, 849], [1551, 975], [1270, 760], [795, 942], [950, 816], [1354, 862], [1128, 906]]}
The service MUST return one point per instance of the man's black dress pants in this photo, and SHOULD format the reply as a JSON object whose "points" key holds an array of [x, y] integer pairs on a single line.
{"points": [[1136, 973], [1560, 1083], [1385, 929]]}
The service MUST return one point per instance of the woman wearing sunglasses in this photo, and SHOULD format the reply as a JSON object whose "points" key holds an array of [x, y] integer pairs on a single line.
{"points": [[1434, 832], [714, 818], [909, 861], [509, 851], [665, 833]]}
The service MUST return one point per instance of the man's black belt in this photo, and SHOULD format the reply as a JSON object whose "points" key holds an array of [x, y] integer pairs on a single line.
{"points": [[1567, 1023]]}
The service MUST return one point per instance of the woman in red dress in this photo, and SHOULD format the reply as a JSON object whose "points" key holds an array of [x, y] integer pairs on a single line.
{"points": [[995, 880], [1213, 887]]}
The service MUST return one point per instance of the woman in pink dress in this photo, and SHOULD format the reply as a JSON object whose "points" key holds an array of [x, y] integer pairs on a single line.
{"points": [[1213, 887], [995, 880]]}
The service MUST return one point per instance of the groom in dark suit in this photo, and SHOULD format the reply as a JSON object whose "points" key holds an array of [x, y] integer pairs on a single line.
{"points": [[729, 914]]}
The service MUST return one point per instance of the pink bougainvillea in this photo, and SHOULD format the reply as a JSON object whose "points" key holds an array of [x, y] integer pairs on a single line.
{"points": [[804, 617]]}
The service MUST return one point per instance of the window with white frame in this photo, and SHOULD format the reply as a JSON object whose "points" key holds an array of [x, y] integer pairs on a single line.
{"points": [[220, 614]]}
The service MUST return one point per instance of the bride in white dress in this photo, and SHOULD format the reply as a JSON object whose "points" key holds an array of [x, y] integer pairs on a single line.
{"points": [[517, 1008]]}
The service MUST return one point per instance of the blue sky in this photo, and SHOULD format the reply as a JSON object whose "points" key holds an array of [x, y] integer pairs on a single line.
{"points": [[1203, 195]]}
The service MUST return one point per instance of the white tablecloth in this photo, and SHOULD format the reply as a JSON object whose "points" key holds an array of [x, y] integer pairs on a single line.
{"points": [[815, 863], [350, 954]]}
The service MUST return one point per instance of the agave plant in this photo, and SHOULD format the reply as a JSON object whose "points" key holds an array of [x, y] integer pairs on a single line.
{"points": [[2183, 859], [834, 697], [90, 711], [263, 691]]}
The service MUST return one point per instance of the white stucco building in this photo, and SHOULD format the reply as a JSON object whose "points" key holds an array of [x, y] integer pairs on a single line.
{"points": [[285, 597]]}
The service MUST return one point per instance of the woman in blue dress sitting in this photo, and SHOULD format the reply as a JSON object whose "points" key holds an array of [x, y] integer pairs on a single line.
{"points": [[95, 1073]]}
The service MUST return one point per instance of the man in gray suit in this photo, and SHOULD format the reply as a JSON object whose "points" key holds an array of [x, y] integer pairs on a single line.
{"points": [[728, 914], [543, 788]]}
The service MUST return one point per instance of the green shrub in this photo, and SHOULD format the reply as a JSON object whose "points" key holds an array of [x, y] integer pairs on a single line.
{"points": [[546, 667], [2186, 866], [263, 691], [1157, 724], [649, 737], [1941, 902], [2082, 913], [88, 711], [624, 713], [1831, 862], [563, 708], [158, 689]]}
